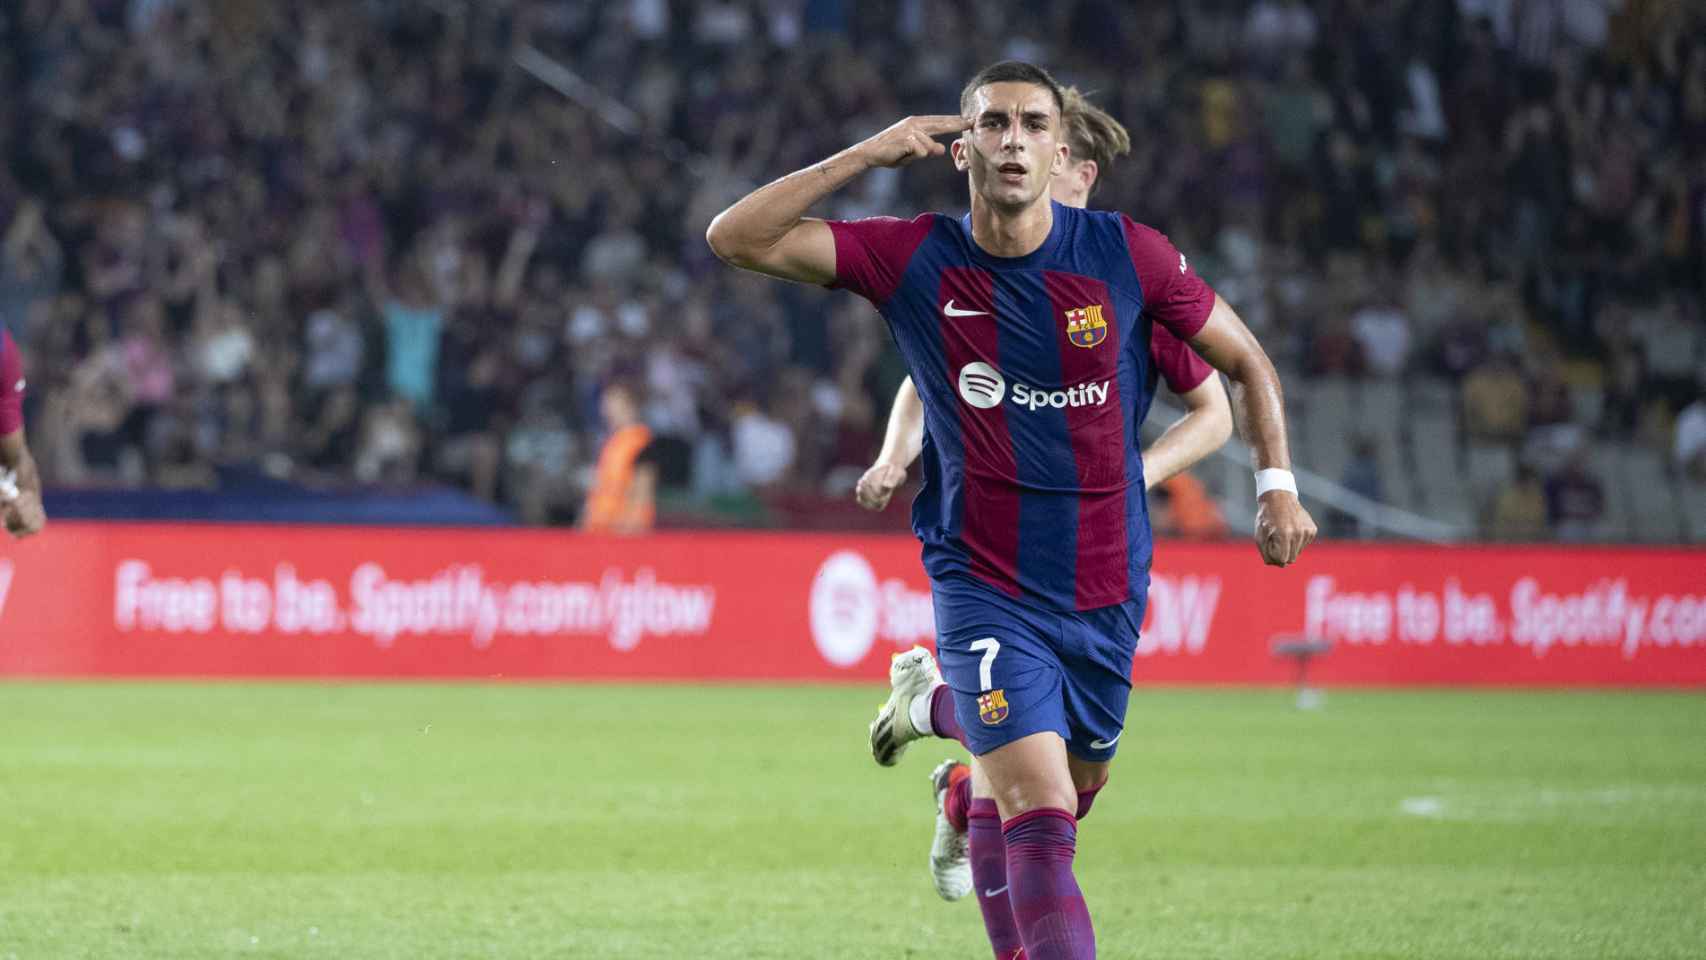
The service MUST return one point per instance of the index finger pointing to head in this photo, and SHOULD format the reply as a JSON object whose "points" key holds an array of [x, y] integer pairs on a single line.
{"points": [[944, 123]]}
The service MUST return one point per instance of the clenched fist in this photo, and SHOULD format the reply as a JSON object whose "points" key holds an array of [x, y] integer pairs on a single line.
{"points": [[878, 485], [1283, 527], [23, 515]]}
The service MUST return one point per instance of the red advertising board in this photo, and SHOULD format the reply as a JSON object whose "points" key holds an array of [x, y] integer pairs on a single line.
{"points": [[262, 601]]}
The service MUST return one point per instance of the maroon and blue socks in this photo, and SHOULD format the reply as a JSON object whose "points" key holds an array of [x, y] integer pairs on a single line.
{"points": [[943, 720], [989, 878], [1021, 870], [956, 804], [1087, 798], [1048, 908]]}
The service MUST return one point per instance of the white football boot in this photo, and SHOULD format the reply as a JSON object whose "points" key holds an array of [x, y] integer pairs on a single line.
{"points": [[950, 850], [912, 674]]}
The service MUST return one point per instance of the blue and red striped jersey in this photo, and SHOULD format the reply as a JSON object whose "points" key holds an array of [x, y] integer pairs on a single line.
{"points": [[1035, 373]]}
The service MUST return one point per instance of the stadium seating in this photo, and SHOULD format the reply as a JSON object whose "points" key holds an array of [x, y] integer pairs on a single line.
{"points": [[1694, 510], [1605, 462], [1488, 468], [1655, 512]]}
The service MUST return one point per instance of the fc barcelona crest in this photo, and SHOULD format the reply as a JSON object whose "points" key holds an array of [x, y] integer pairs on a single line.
{"points": [[1085, 326], [992, 707]]}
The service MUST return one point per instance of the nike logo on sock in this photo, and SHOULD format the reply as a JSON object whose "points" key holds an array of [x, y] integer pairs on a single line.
{"points": [[996, 892]]}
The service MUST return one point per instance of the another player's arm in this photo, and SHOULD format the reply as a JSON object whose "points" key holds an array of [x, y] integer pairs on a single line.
{"points": [[902, 441], [20, 482], [767, 231], [1206, 425], [20, 499], [1283, 526]]}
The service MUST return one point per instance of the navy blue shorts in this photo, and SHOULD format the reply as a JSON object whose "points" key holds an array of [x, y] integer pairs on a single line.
{"points": [[1018, 669]]}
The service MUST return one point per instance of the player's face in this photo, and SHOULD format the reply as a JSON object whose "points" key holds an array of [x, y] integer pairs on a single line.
{"points": [[1013, 149], [1071, 186]]}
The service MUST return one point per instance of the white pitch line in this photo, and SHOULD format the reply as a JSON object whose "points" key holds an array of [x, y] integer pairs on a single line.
{"points": [[1431, 807]]}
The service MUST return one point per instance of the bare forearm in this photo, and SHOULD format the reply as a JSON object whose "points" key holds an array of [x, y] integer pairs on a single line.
{"points": [[747, 231], [767, 230], [904, 437], [1229, 346], [1261, 413], [15, 458], [1191, 438], [1283, 526]]}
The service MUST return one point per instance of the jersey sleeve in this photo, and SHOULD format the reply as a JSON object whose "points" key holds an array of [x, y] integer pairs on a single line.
{"points": [[11, 386], [1178, 364], [1173, 295], [871, 254]]}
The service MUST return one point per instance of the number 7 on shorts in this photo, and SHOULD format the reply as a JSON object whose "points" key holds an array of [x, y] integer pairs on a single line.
{"points": [[990, 647]]}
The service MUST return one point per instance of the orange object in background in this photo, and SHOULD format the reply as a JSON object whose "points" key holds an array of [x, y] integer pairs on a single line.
{"points": [[611, 506], [623, 498], [1191, 513]]}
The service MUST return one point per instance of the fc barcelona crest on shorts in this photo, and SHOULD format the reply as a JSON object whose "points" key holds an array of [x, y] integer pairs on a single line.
{"points": [[1085, 326], [992, 707]]}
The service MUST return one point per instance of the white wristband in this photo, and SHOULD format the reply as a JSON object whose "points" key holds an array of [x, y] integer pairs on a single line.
{"points": [[1275, 479]]}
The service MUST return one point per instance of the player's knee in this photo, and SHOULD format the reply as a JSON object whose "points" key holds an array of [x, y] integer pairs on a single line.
{"points": [[1020, 798]]}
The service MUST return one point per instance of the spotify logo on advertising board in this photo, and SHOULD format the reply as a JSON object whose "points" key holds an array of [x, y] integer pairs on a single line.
{"points": [[845, 606]]}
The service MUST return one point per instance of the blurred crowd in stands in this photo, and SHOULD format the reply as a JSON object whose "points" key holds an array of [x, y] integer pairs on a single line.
{"points": [[351, 241]]}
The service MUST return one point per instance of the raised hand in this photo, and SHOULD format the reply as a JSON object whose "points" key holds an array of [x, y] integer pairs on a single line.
{"points": [[912, 139], [1283, 527]]}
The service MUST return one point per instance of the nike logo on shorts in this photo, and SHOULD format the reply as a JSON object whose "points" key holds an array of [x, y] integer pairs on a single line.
{"points": [[998, 891], [1105, 744], [954, 311]]}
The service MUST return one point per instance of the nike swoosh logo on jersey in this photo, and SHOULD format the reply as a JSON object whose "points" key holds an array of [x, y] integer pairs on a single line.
{"points": [[996, 892], [1105, 744], [953, 311]]}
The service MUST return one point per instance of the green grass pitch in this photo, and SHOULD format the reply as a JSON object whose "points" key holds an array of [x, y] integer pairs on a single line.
{"points": [[387, 821]]}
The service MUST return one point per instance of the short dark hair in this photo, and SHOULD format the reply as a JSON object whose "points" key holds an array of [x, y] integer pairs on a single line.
{"points": [[1013, 71]]}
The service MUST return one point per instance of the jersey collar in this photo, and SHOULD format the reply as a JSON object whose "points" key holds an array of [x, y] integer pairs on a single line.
{"points": [[1040, 255]]}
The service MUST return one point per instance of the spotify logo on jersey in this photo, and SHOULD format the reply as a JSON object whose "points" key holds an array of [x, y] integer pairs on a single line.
{"points": [[981, 385]]}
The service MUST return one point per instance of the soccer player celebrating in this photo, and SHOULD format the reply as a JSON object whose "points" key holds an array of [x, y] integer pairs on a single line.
{"points": [[1095, 139], [1025, 327], [20, 484]]}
